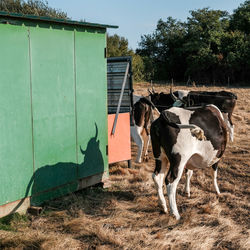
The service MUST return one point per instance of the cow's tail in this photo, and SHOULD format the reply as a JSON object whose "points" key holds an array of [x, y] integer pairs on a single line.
{"points": [[194, 129]]}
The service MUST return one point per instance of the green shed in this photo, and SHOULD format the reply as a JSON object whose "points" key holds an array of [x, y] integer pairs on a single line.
{"points": [[53, 108]]}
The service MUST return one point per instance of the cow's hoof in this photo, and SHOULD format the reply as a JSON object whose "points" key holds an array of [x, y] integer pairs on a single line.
{"points": [[177, 216], [163, 212]]}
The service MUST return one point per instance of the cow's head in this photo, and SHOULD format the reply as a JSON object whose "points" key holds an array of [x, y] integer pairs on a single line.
{"points": [[181, 99]]}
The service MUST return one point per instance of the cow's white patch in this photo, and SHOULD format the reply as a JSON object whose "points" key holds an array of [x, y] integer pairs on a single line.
{"points": [[229, 126], [136, 98], [187, 185], [138, 139], [159, 181], [200, 154], [171, 188], [182, 93], [214, 175], [184, 115]]}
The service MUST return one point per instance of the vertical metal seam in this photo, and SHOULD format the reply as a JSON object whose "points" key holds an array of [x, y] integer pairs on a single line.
{"points": [[106, 96], [75, 100], [31, 103]]}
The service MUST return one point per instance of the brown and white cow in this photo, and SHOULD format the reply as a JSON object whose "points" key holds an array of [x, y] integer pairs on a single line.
{"points": [[142, 117], [181, 148]]}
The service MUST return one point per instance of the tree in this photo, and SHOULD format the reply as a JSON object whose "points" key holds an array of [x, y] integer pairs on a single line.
{"points": [[209, 47], [236, 55], [138, 68], [148, 51], [241, 18], [118, 46], [215, 52], [162, 51], [33, 7], [205, 30]]}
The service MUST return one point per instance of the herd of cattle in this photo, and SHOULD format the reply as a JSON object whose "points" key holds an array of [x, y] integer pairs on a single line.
{"points": [[190, 132]]}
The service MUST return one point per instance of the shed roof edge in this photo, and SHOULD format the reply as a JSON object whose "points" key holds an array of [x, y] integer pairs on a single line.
{"points": [[54, 20]]}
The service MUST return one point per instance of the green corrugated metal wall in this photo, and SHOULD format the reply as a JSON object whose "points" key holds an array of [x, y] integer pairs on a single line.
{"points": [[53, 109], [16, 165]]}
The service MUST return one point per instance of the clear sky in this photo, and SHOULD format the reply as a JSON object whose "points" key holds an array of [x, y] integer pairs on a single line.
{"points": [[136, 17]]}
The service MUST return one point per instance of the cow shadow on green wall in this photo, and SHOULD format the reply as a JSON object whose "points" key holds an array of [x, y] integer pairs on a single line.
{"points": [[93, 161], [51, 181]]}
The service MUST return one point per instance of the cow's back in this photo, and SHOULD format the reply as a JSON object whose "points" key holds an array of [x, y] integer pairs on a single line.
{"points": [[224, 100], [209, 119]]}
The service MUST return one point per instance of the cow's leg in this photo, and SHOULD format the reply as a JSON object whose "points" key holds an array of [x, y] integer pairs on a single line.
{"points": [[140, 149], [158, 177], [176, 169], [214, 176], [146, 148], [231, 130], [229, 125], [138, 139], [160, 163], [189, 174]]}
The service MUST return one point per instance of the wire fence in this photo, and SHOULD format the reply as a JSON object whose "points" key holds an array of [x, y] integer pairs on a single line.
{"points": [[192, 83]]}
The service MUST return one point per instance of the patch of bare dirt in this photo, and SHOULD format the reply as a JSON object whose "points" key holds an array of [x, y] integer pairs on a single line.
{"points": [[127, 215]]}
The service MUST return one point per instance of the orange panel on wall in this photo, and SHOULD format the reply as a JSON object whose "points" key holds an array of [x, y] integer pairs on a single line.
{"points": [[119, 146]]}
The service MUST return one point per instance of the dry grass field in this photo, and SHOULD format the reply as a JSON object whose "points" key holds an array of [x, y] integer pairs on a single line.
{"points": [[127, 216]]}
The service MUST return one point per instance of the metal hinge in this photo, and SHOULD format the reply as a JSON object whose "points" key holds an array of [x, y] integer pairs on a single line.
{"points": [[105, 52], [107, 150]]}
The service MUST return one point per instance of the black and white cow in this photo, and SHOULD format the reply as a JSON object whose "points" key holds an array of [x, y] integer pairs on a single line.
{"points": [[224, 100], [184, 149], [142, 117]]}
